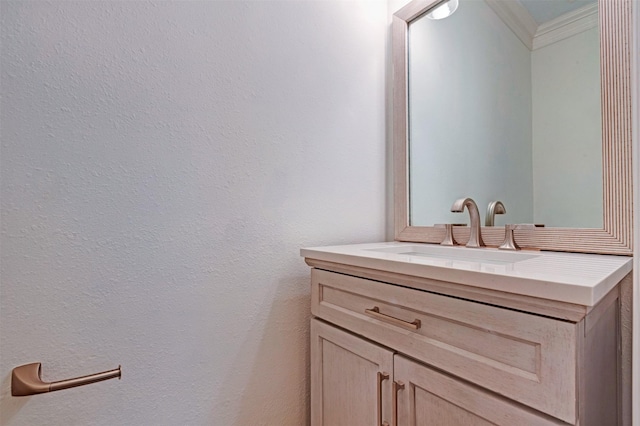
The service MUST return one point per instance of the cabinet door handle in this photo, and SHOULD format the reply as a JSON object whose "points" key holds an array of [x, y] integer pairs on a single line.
{"points": [[396, 387], [381, 377], [375, 312]]}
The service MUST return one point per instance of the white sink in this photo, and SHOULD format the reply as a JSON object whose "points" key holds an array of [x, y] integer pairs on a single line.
{"points": [[482, 255], [568, 277]]}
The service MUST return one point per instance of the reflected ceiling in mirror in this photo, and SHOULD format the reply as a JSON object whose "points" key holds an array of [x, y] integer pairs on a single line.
{"points": [[507, 109]]}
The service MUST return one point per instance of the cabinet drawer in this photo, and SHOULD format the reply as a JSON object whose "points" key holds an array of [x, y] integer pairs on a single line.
{"points": [[527, 358]]}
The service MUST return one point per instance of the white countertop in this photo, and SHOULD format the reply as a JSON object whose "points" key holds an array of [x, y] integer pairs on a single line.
{"points": [[577, 278]]}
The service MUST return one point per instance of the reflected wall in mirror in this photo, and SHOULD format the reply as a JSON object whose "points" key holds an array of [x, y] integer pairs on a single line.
{"points": [[494, 106], [495, 116]]}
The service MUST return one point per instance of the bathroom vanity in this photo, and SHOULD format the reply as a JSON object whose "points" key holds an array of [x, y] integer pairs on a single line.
{"points": [[407, 333], [418, 334]]}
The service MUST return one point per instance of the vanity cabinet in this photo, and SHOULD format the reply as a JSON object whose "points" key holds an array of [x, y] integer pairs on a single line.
{"points": [[428, 397], [387, 346], [351, 378]]}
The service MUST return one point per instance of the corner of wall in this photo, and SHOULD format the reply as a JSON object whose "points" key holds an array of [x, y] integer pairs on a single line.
{"points": [[635, 63]]}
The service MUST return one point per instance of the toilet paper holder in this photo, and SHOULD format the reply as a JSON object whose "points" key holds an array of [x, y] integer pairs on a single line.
{"points": [[25, 380]]}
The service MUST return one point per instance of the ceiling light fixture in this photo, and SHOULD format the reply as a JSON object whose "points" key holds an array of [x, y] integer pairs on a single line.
{"points": [[444, 10]]}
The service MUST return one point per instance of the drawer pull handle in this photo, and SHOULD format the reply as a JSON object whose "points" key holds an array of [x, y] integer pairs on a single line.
{"points": [[381, 377], [396, 387], [375, 312]]}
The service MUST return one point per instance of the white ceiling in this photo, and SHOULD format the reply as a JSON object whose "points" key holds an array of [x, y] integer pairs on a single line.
{"points": [[546, 10]]}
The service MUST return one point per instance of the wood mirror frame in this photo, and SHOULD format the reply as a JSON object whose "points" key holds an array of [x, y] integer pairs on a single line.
{"points": [[616, 235]]}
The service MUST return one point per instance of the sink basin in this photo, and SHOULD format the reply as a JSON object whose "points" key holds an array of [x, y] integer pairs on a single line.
{"points": [[464, 254], [576, 278]]}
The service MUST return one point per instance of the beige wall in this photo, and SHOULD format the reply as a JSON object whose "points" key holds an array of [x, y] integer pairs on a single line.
{"points": [[567, 132], [162, 163]]}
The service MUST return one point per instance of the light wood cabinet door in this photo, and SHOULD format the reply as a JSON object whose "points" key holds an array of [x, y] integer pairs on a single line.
{"points": [[350, 379], [426, 397], [523, 357]]}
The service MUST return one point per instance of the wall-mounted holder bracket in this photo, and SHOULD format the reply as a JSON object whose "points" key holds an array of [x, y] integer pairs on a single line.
{"points": [[25, 380]]}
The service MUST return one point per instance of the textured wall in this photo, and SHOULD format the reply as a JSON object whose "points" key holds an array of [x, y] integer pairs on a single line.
{"points": [[161, 165], [567, 132]]}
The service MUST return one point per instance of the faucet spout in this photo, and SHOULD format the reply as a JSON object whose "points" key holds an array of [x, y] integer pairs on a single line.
{"points": [[494, 208], [475, 236]]}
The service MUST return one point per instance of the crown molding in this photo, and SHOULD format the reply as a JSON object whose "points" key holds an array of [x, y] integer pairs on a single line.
{"points": [[566, 26], [535, 36], [517, 17]]}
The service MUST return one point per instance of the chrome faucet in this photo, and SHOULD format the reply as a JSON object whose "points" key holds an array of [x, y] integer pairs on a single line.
{"points": [[475, 236], [494, 208]]}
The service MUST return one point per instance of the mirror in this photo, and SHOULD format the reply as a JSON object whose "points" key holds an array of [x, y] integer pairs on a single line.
{"points": [[513, 121], [468, 124]]}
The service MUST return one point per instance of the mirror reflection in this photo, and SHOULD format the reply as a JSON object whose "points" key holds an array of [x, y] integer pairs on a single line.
{"points": [[507, 111]]}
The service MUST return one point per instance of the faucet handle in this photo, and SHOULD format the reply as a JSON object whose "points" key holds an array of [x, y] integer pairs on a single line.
{"points": [[448, 233], [509, 242]]}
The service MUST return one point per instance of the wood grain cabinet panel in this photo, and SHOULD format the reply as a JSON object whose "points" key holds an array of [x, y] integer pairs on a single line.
{"points": [[462, 362], [527, 357], [432, 398], [345, 386]]}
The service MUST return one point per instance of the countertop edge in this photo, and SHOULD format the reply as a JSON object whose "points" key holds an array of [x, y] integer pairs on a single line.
{"points": [[552, 290]]}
